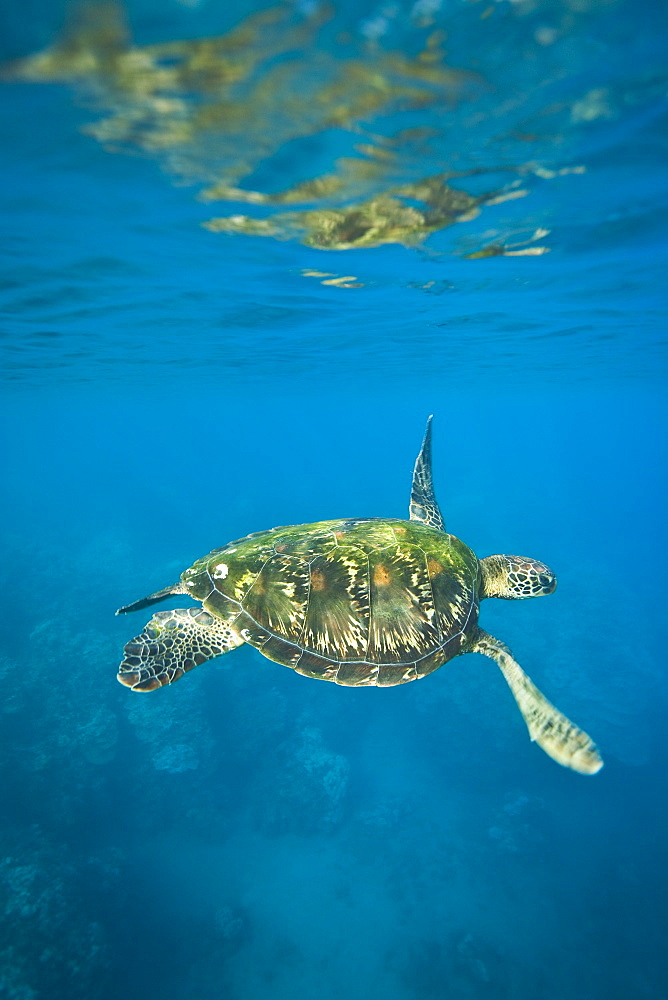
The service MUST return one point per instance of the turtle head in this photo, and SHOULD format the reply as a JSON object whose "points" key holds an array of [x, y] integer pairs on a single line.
{"points": [[515, 577]]}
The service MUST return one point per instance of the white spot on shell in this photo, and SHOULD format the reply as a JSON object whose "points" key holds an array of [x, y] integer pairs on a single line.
{"points": [[221, 571]]}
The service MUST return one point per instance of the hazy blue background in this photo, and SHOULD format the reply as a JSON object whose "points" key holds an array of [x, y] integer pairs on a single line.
{"points": [[247, 833]]}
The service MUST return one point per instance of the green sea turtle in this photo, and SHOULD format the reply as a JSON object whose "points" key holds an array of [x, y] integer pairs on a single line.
{"points": [[357, 601]]}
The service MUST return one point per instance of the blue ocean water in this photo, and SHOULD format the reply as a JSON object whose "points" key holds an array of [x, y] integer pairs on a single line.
{"points": [[170, 384]]}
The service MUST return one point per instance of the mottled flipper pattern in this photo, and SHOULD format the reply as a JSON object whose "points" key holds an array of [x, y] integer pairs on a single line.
{"points": [[172, 643], [558, 736], [423, 506]]}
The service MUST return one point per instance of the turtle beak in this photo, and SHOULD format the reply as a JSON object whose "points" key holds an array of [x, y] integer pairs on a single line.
{"points": [[548, 582]]}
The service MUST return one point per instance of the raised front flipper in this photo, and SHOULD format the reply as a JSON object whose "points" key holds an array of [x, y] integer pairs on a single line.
{"points": [[423, 506], [172, 643], [551, 730]]}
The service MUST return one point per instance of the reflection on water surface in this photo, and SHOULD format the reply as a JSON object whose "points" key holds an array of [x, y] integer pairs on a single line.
{"points": [[384, 136], [532, 125]]}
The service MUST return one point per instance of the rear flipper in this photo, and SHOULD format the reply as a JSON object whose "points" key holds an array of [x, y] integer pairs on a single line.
{"points": [[172, 643], [160, 595], [557, 735]]}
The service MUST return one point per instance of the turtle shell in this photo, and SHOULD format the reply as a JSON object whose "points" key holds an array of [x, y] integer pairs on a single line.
{"points": [[358, 602]]}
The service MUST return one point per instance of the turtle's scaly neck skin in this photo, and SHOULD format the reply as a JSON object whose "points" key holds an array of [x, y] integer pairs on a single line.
{"points": [[513, 578]]}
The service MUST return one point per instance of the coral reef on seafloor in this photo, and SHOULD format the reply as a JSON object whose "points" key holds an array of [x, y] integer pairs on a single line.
{"points": [[50, 944], [243, 760], [301, 787]]}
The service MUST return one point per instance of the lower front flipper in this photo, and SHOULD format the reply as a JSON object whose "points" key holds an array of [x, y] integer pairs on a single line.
{"points": [[558, 736]]}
